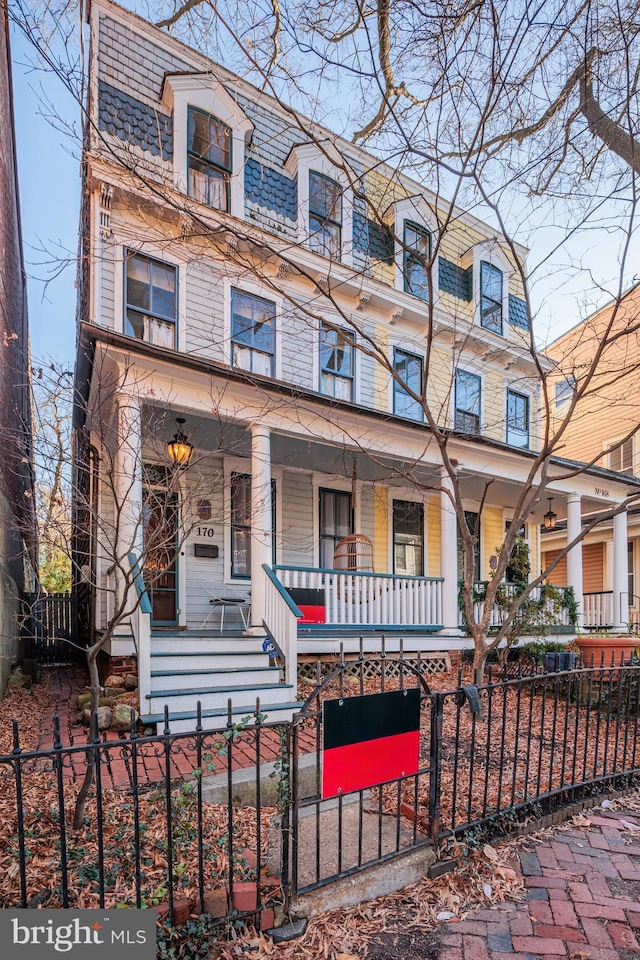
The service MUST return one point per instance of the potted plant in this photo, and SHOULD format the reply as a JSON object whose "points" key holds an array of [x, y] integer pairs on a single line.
{"points": [[605, 646]]}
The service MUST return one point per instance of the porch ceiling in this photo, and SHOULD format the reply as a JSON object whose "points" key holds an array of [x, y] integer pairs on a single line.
{"points": [[233, 439]]}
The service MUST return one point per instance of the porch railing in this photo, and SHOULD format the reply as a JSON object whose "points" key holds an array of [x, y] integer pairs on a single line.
{"points": [[597, 609], [370, 599], [508, 594], [141, 629], [281, 622]]}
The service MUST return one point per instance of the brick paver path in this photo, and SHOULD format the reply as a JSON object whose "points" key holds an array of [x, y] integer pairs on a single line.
{"points": [[583, 900], [65, 683]]}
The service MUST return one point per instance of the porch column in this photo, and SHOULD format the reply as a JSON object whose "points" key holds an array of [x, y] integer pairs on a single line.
{"points": [[261, 532], [128, 478], [128, 475], [574, 556], [448, 556], [620, 572]]}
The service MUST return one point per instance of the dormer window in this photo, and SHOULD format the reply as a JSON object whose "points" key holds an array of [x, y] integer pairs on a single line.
{"points": [[491, 294], [417, 251], [325, 215], [208, 160], [210, 133]]}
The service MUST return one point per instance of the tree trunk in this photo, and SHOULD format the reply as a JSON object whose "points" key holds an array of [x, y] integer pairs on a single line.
{"points": [[94, 680], [480, 661]]}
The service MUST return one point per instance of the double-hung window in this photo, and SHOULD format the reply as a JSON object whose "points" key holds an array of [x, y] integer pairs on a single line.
{"points": [[417, 251], [336, 362], [150, 300], [490, 297], [241, 524], [408, 538], [468, 392], [565, 390], [253, 333], [517, 419], [325, 215], [208, 159], [621, 457], [410, 370], [336, 522]]}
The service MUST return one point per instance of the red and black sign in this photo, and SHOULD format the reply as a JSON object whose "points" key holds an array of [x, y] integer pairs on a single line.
{"points": [[369, 740]]}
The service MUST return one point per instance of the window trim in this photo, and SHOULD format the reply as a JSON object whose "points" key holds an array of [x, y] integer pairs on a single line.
{"points": [[257, 290], [128, 254], [492, 268], [398, 391], [349, 335], [566, 389], [524, 396], [334, 165], [416, 210], [226, 171], [243, 526], [342, 492], [324, 219], [424, 506], [620, 446], [242, 465], [407, 257], [205, 92], [468, 373], [232, 342]]}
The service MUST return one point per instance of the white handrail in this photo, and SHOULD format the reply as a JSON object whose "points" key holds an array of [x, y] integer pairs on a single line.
{"points": [[281, 622]]}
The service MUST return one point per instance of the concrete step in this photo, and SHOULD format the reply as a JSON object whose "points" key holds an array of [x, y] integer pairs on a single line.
{"points": [[184, 721], [212, 678], [215, 698], [211, 660]]}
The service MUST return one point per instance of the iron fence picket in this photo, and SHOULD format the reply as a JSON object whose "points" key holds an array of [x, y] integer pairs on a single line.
{"points": [[472, 771]]}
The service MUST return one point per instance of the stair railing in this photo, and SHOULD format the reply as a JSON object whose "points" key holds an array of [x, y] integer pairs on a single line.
{"points": [[281, 623]]}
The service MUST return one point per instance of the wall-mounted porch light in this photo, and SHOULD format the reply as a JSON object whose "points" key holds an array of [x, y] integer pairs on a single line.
{"points": [[550, 517], [179, 449]]}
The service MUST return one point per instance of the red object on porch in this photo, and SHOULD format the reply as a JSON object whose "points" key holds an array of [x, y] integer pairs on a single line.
{"points": [[310, 602], [312, 613]]}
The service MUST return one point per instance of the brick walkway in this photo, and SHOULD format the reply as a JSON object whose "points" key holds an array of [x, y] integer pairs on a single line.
{"points": [[65, 683], [583, 900]]}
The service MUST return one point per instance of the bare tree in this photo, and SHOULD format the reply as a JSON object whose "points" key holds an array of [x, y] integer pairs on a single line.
{"points": [[513, 111]]}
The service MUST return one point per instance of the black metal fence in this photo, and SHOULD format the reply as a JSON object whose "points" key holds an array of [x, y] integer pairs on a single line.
{"points": [[50, 628], [155, 834], [149, 837]]}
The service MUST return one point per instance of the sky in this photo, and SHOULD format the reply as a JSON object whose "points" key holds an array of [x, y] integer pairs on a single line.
{"points": [[49, 183], [49, 177]]}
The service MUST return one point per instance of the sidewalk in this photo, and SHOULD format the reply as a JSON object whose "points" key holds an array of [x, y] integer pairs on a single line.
{"points": [[65, 683], [583, 899]]}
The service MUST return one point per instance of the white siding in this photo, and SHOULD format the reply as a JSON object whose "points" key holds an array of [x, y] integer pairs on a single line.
{"points": [[297, 519], [205, 310]]}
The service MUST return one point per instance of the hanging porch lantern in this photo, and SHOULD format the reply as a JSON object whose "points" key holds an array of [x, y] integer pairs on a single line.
{"points": [[179, 449], [550, 517]]}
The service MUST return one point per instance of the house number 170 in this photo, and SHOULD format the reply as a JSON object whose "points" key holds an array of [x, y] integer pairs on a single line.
{"points": [[205, 532]]}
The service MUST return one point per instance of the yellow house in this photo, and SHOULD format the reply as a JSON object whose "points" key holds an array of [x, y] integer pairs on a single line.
{"points": [[601, 430]]}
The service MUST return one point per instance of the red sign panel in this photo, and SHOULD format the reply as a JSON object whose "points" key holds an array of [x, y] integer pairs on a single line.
{"points": [[369, 740]]}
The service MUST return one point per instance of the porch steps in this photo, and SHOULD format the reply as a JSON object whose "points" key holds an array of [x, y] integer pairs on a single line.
{"points": [[213, 668], [185, 721], [209, 678], [196, 660]]}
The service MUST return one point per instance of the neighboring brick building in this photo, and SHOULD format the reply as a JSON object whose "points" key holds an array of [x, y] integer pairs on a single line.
{"points": [[17, 517]]}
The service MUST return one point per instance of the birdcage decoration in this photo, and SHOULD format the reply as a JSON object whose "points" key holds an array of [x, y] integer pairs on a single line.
{"points": [[354, 553]]}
